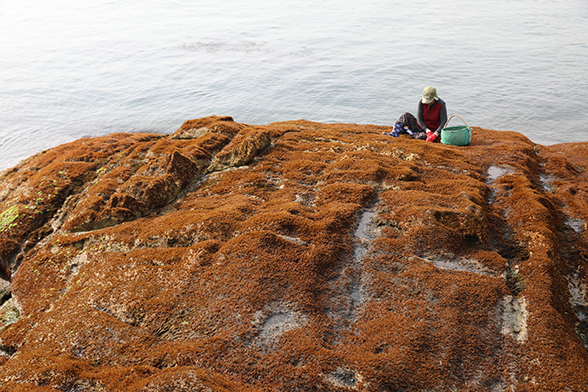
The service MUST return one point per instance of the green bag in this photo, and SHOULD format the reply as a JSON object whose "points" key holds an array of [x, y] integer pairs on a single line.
{"points": [[460, 135]]}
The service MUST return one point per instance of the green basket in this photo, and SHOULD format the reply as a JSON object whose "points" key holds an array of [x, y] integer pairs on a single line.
{"points": [[460, 135]]}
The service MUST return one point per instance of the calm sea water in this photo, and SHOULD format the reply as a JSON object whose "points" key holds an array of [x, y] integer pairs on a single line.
{"points": [[70, 69]]}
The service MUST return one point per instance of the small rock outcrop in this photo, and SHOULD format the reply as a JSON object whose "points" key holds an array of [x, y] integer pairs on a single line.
{"points": [[296, 256]]}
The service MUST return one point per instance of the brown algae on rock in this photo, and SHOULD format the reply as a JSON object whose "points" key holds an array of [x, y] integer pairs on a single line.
{"points": [[294, 256]]}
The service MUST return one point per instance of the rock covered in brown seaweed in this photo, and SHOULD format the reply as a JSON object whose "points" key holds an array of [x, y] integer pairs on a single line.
{"points": [[296, 256]]}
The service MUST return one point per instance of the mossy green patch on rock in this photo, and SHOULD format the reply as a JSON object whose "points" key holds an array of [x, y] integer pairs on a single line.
{"points": [[7, 217], [9, 313]]}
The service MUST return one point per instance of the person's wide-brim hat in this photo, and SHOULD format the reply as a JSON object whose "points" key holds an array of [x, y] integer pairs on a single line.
{"points": [[429, 94]]}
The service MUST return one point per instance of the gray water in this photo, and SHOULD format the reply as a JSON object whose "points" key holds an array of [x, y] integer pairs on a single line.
{"points": [[71, 69]]}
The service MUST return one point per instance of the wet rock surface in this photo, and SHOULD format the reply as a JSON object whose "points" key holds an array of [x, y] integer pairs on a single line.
{"points": [[296, 256]]}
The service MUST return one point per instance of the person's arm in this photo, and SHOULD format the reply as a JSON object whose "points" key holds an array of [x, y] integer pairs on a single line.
{"points": [[443, 118], [420, 117]]}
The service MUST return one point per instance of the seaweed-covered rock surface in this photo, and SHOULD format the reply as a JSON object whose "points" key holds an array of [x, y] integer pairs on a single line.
{"points": [[295, 256]]}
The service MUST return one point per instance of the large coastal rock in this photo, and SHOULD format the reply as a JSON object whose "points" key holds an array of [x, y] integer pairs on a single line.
{"points": [[296, 256]]}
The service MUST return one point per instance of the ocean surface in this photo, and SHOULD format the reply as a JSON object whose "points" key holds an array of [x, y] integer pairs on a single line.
{"points": [[71, 69]]}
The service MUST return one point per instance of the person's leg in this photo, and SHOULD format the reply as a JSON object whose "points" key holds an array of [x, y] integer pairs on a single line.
{"points": [[397, 131], [411, 122]]}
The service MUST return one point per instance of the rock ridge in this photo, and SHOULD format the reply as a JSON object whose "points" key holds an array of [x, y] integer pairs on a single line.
{"points": [[295, 256]]}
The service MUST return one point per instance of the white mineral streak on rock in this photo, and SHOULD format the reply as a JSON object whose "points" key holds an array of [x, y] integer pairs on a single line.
{"points": [[275, 320], [514, 318]]}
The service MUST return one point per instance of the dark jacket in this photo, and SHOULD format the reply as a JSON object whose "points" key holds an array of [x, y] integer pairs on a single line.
{"points": [[432, 116]]}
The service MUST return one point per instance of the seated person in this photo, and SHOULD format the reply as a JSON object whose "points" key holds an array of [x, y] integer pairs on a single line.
{"points": [[431, 118]]}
